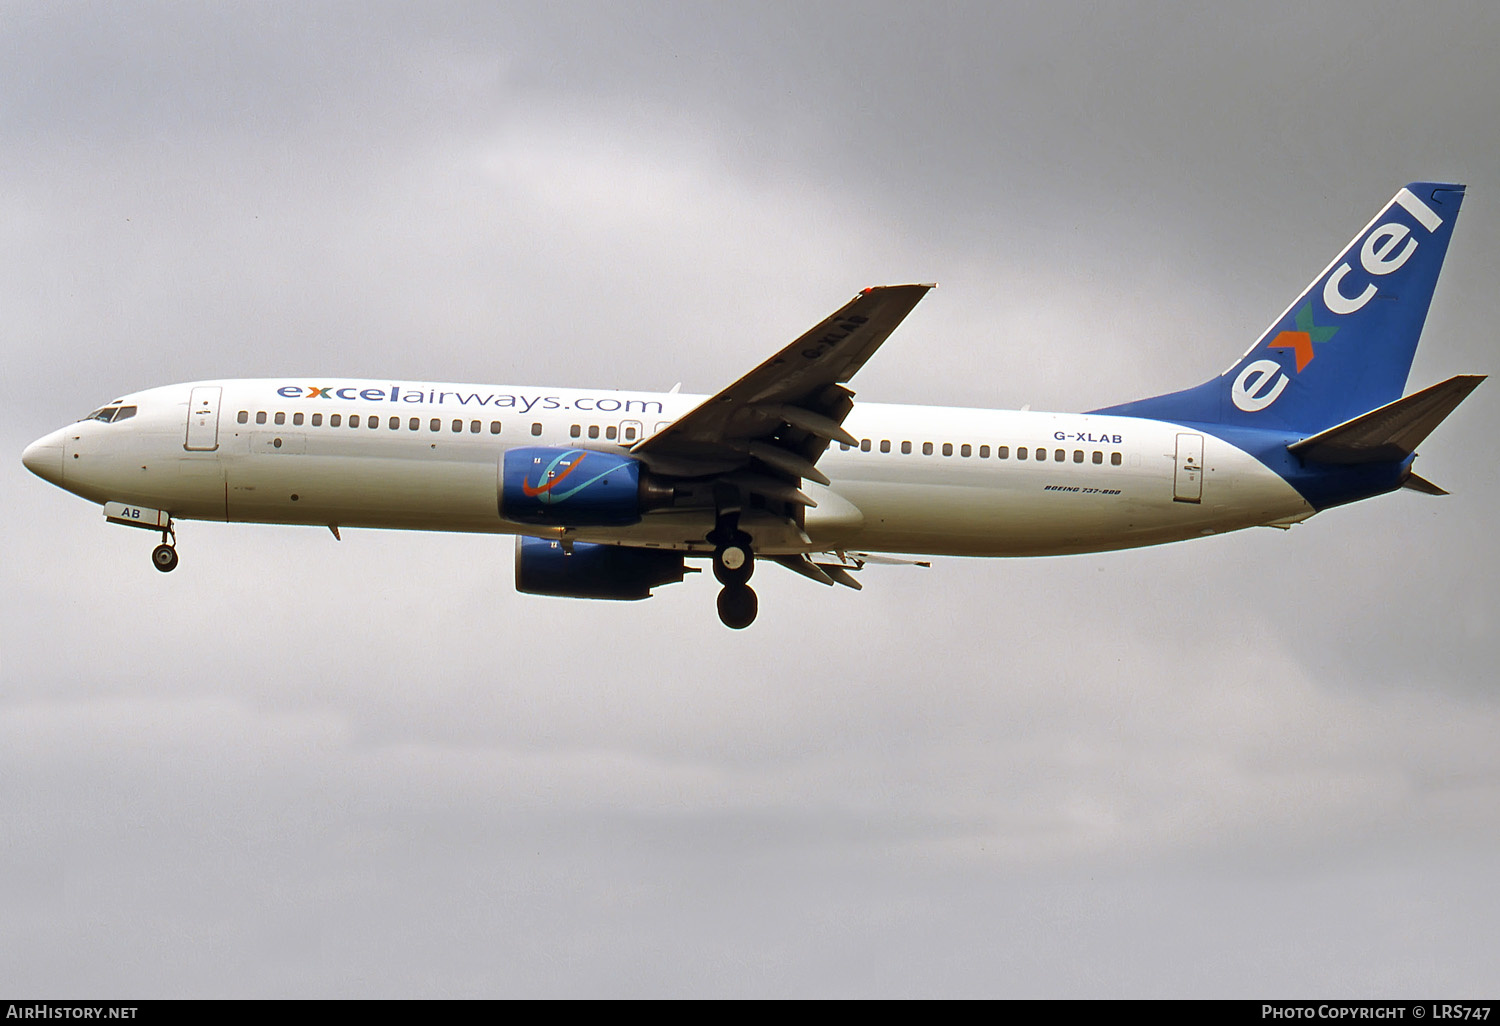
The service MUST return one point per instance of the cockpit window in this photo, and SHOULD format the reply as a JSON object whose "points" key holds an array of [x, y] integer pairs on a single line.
{"points": [[112, 413]]}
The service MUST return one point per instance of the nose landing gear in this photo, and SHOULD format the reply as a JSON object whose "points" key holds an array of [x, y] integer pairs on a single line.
{"points": [[734, 562], [164, 556]]}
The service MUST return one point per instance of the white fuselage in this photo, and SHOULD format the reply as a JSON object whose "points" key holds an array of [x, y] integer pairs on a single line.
{"points": [[924, 480]]}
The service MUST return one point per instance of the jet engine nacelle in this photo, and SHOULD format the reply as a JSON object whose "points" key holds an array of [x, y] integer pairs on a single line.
{"points": [[584, 570], [576, 488]]}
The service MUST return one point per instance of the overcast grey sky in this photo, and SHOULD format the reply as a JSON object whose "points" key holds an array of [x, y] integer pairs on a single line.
{"points": [[1262, 764]]}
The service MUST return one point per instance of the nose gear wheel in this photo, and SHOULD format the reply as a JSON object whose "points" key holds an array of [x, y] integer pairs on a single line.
{"points": [[164, 556]]}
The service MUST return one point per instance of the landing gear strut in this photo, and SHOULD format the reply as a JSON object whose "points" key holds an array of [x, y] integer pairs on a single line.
{"points": [[164, 556], [734, 562]]}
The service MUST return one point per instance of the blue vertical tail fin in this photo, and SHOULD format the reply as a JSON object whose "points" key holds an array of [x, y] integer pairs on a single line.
{"points": [[1345, 345]]}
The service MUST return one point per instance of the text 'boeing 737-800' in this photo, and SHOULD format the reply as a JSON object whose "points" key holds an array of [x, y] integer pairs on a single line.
{"points": [[612, 494]]}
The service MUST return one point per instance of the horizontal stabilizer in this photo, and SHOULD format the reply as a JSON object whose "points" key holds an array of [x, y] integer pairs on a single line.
{"points": [[1420, 484], [1392, 432]]}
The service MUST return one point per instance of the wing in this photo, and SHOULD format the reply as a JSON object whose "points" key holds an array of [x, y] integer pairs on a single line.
{"points": [[776, 421]]}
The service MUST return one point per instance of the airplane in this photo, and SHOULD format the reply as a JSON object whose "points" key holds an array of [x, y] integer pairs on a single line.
{"points": [[612, 493]]}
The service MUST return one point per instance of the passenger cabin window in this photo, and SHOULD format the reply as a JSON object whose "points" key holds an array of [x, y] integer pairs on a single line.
{"points": [[1002, 452], [864, 445], [260, 417], [1077, 455], [593, 430], [335, 419], [609, 432], [354, 420], [536, 430], [244, 417], [1098, 457], [296, 420], [280, 419], [966, 450], [317, 420], [415, 424], [906, 448], [576, 431], [984, 452], [1021, 452], [436, 425], [926, 448], [1114, 459], [458, 427], [395, 424], [494, 427], [630, 434], [885, 445]]}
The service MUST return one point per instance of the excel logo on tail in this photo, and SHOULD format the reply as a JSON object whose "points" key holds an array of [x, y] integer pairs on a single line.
{"points": [[1386, 248], [1301, 341], [1260, 384]]}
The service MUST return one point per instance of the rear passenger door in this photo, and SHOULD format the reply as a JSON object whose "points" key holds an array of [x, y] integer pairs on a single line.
{"points": [[1188, 479]]}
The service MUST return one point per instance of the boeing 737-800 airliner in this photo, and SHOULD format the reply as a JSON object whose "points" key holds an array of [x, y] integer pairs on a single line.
{"points": [[611, 493]]}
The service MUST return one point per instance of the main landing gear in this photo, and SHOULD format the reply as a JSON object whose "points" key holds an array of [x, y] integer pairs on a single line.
{"points": [[734, 562], [164, 556], [738, 606]]}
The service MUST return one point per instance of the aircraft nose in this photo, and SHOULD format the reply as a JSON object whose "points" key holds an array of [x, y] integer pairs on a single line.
{"points": [[44, 458]]}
